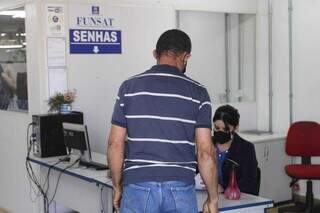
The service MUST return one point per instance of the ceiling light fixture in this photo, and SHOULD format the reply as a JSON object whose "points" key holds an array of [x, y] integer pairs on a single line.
{"points": [[10, 46], [14, 13]]}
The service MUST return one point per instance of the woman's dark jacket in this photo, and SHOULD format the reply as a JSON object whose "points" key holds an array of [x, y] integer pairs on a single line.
{"points": [[242, 152]]}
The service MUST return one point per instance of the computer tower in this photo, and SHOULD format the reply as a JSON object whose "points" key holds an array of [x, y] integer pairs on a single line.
{"points": [[48, 133]]}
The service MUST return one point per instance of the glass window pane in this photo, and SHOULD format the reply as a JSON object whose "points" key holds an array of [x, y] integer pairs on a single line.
{"points": [[13, 73]]}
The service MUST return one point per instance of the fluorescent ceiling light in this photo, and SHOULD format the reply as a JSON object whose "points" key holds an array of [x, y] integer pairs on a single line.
{"points": [[14, 13], [10, 46]]}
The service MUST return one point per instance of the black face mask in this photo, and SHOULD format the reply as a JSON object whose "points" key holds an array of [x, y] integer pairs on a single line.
{"points": [[221, 137]]}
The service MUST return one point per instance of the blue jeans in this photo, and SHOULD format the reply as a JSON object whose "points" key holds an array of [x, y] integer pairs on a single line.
{"points": [[156, 197]]}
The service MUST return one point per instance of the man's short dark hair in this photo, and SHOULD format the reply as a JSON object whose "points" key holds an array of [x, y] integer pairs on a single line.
{"points": [[228, 114], [175, 41]]}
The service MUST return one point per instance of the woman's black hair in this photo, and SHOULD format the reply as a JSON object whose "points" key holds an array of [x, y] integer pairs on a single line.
{"points": [[228, 114], [175, 41]]}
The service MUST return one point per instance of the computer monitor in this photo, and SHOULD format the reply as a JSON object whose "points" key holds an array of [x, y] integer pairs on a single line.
{"points": [[76, 138]]}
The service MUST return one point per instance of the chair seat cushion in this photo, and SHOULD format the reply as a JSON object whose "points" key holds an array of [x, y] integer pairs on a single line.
{"points": [[303, 171]]}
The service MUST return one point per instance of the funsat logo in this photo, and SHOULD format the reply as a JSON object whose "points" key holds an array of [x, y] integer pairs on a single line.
{"points": [[95, 10], [95, 20]]}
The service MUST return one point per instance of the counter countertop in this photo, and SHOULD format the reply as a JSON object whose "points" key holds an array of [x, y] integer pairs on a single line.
{"points": [[255, 138]]}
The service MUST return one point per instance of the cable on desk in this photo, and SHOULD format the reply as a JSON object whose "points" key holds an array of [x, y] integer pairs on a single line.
{"points": [[61, 172], [30, 173], [101, 200], [32, 177], [47, 181]]}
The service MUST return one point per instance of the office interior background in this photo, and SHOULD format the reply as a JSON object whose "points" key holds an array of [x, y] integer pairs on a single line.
{"points": [[261, 56]]}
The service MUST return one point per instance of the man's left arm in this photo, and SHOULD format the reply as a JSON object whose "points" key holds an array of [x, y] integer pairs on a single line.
{"points": [[115, 154]]}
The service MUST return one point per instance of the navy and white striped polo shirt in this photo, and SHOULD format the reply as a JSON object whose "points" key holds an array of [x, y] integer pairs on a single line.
{"points": [[161, 109]]}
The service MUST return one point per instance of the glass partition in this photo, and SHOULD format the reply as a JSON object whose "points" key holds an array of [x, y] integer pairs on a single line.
{"points": [[13, 73]]}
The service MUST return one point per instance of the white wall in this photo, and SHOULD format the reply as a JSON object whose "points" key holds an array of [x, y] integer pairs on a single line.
{"points": [[262, 66], [280, 66], [248, 56], [306, 63], [241, 57], [207, 63], [228, 6], [14, 194], [97, 78]]}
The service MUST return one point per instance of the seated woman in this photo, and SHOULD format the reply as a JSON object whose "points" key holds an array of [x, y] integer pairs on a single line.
{"points": [[230, 146]]}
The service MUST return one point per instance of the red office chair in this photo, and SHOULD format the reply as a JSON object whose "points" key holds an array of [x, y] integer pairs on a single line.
{"points": [[303, 140]]}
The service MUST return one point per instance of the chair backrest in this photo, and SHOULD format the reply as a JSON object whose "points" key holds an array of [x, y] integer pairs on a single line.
{"points": [[303, 139]]}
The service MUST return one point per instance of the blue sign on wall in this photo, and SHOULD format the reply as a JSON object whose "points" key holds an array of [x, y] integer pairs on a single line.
{"points": [[88, 41]]}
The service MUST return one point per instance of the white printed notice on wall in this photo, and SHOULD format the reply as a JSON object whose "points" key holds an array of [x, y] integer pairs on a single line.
{"points": [[57, 81], [56, 52], [55, 20], [94, 29]]}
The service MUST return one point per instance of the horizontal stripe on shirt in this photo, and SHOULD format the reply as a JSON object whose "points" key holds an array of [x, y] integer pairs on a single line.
{"points": [[162, 95], [204, 103], [159, 165], [167, 75], [161, 140], [160, 118], [159, 162]]}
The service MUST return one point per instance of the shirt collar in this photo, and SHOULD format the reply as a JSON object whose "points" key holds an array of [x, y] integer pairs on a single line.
{"points": [[222, 152], [165, 68]]}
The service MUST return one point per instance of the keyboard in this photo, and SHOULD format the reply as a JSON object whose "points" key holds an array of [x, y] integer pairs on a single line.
{"points": [[95, 165]]}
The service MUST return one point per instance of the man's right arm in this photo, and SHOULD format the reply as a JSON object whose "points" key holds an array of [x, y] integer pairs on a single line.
{"points": [[207, 168]]}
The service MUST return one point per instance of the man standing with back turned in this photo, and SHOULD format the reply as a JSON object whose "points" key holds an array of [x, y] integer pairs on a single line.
{"points": [[159, 117]]}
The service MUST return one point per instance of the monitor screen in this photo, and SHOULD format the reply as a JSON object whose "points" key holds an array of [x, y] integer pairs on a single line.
{"points": [[75, 136]]}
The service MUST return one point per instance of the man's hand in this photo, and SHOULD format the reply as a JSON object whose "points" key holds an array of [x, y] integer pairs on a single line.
{"points": [[115, 154], [210, 206], [207, 168], [117, 193]]}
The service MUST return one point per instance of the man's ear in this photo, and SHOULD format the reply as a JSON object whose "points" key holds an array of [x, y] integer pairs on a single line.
{"points": [[155, 54], [186, 58]]}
